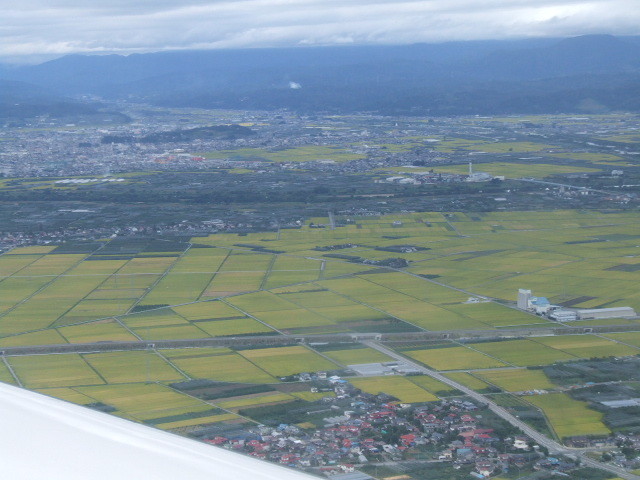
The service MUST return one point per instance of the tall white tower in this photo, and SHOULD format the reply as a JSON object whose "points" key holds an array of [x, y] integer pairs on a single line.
{"points": [[523, 298], [470, 168]]}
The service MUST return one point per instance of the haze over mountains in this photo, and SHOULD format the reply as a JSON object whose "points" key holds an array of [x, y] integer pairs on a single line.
{"points": [[588, 74]]}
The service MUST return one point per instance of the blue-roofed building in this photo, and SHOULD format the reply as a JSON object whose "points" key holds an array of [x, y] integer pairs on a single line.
{"points": [[540, 304], [540, 301]]}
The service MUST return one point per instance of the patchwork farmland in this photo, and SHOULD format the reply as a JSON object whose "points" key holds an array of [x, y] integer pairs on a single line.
{"points": [[395, 275]]}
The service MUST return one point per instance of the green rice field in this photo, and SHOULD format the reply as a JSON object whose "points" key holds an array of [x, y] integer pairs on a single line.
{"points": [[398, 387], [569, 417], [462, 271], [517, 380]]}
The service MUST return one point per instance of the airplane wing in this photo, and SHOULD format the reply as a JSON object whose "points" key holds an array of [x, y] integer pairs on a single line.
{"points": [[46, 438]]}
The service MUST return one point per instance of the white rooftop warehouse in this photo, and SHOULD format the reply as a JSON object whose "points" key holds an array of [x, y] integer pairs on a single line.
{"points": [[599, 313], [46, 438]]}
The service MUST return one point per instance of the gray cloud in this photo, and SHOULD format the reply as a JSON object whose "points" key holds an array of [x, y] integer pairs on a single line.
{"points": [[55, 27]]}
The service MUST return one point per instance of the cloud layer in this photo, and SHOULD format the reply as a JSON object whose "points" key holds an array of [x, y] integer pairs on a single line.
{"points": [[55, 27]]}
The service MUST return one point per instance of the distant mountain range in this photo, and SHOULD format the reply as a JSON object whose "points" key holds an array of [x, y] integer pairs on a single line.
{"points": [[20, 101], [595, 73]]}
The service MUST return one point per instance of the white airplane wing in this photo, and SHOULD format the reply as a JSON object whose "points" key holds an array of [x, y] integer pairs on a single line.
{"points": [[49, 439]]}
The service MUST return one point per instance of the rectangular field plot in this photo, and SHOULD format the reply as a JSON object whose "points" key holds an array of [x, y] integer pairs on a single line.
{"points": [[428, 316], [14, 290], [40, 371], [46, 306], [10, 264], [207, 420], [229, 283], [523, 353], [416, 287], [207, 311], [262, 302], [51, 265], [495, 315], [283, 361], [42, 337], [128, 367], [41, 249], [125, 285], [95, 309], [398, 387], [350, 313], [170, 332], [177, 287], [292, 319], [146, 265], [256, 400], [432, 385], [222, 368], [200, 260], [587, 346], [364, 291], [290, 277], [144, 401], [96, 267], [401, 306], [116, 294], [96, 332], [291, 270], [335, 268], [453, 358], [517, 380], [313, 297], [569, 417], [236, 326], [632, 338], [68, 394], [194, 352], [468, 380], [247, 262], [354, 356], [287, 263], [153, 318]]}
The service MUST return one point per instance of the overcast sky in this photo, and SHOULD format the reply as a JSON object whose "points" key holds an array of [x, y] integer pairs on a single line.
{"points": [[30, 28]]}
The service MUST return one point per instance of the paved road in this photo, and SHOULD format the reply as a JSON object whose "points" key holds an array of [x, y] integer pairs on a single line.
{"points": [[311, 339], [553, 446]]}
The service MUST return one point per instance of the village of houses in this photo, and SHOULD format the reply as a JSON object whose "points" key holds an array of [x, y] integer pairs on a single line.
{"points": [[377, 430]]}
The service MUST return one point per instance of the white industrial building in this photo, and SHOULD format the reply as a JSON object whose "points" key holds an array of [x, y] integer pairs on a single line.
{"points": [[478, 176], [542, 306], [602, 313], [526, 301], [523, 299], [563, 315]]}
